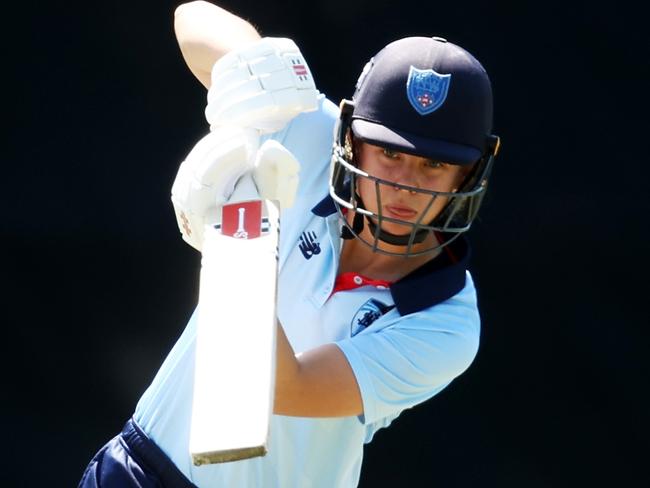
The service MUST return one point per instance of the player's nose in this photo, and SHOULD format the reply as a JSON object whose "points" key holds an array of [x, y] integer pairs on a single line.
{"points": [[406, 175]]}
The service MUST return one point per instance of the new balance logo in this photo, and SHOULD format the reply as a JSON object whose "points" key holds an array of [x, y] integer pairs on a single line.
{"points": [[308, 245]]}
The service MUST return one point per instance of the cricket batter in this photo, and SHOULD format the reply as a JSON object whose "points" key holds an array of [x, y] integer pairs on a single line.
{"points": [[378, 312]]}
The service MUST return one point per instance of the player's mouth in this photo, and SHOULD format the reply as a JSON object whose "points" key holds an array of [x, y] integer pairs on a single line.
{"points": [[400, 212]]}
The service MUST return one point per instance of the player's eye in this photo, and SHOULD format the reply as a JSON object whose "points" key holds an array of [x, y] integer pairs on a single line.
{"points": [[433, 164], [389, 153]]}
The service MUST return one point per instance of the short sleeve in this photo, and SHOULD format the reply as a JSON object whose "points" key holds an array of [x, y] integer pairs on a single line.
{"points": [[413, 358]]}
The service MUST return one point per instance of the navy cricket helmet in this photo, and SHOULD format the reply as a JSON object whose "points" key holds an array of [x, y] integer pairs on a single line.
{"points": [[427, 97]]}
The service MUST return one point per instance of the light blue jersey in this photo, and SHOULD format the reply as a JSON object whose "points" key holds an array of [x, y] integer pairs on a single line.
{"points": [[404, 341]]}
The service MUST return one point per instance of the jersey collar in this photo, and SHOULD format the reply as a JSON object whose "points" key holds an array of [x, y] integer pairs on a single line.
{"points": [[432, 283]]}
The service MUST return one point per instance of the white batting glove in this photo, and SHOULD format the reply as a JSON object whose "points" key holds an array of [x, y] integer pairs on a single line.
{"points": [[276, 173], [262, 86], [207, 177]]}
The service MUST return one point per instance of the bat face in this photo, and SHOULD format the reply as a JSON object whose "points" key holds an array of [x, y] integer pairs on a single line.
{"points": [[235, 346]]}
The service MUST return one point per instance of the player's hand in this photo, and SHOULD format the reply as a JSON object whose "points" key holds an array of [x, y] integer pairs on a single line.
{"points": [[261, 86], [207, 177]]}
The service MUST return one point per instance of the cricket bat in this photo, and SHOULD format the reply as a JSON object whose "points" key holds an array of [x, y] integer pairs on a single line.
{"points": [[236, 332]]}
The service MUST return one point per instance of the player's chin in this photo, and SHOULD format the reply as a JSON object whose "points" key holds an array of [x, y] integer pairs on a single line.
{"points": [[395, 228]]}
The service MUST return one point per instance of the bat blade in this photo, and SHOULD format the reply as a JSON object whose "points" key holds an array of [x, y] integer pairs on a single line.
{"points": [[235, 346]]}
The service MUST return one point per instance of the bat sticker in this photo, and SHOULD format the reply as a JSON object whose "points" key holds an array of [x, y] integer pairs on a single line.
{"points": [[242, 220]]}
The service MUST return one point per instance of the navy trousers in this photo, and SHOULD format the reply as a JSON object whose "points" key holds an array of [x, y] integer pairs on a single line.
{"points": [[131, 459]]}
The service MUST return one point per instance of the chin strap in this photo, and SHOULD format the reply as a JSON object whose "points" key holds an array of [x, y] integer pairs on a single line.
{"points": [[395, 240]]}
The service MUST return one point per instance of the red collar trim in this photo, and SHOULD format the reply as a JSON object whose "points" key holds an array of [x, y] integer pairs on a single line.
{"points": [[350, 281]]}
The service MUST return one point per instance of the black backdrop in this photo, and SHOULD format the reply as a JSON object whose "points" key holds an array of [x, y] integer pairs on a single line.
{"points": [[100, 109]]}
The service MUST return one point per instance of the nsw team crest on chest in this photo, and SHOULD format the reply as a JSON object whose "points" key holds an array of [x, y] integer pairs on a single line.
{"points": [[367, 314], [427, 89]]}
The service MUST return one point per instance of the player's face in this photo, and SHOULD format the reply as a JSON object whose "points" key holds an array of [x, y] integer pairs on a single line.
{"points": [[409, 170]]}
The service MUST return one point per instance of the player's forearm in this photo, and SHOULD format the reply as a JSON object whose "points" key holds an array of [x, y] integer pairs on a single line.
{"points": [[319, 383], [205, 32]]}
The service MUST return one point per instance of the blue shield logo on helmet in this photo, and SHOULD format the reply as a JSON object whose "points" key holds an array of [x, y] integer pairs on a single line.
{"points": [[426, 89]]}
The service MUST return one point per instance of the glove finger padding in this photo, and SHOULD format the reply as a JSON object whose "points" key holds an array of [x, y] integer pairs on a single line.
{"points": [[207, 177], [276, 173], [262, 86]]}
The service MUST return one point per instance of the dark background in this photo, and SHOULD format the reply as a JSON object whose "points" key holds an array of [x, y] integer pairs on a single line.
{"points": [[99, 111]]}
